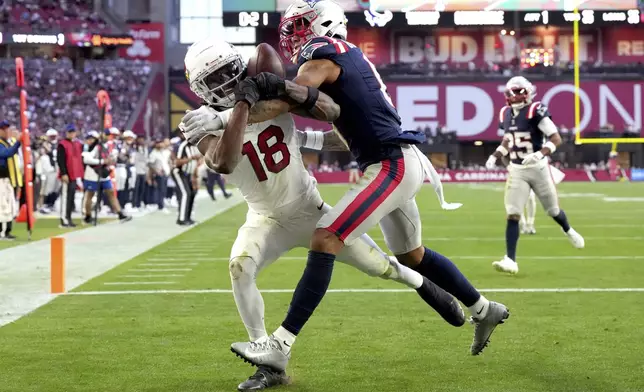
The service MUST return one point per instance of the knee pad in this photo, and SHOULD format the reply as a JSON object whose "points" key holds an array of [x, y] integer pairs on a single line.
{"points": [[553, 211], [242, 268]]}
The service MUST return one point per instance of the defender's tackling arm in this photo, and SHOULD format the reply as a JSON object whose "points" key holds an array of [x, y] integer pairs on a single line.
{"points": [[299, 96]]}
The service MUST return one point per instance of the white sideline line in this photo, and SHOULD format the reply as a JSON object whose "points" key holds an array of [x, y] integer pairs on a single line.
{"points": [[160, 269], [277, 291], [212, 259], [185, 258], [523, 238], [134, 283], [164, 264], [153, 276]]}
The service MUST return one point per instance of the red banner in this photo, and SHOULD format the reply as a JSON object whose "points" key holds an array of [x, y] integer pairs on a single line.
{"points": [[471, 109], [373, 43], [149, 43], [572, 175], [625, 45]]}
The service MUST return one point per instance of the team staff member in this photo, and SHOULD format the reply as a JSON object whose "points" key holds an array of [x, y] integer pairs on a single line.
{"points": [[70, 171], [98, 159], [184, 175], [9, 181]]}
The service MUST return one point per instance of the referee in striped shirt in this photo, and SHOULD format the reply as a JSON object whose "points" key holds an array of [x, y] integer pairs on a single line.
{"points": [[185, 175]]}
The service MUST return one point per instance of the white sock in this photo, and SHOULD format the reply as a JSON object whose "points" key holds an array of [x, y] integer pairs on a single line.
{"points": [[285, 337], [531, 209], [248, 299], [404, 275], [480, 308]]}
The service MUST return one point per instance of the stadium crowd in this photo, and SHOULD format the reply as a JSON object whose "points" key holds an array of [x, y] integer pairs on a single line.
{"points": [[59, 94], [49, 16]]}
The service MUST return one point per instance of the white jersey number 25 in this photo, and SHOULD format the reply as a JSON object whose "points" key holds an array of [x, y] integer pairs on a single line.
{"points": [[523, 143]]}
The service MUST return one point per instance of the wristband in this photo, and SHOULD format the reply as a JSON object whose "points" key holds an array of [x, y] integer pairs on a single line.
{"points": [[311, 98], [502, 150], [314, 140], [550, 146]]}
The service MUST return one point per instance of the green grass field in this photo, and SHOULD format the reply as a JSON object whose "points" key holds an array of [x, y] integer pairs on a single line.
{"points": [[370, 341]]}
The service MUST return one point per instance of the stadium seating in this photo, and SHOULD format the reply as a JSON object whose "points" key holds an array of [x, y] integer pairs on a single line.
{"points": [[60, 94], [46, 16]]}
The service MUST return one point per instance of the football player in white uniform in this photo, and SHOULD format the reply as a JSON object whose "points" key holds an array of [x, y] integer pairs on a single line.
{"points": [[527, 124], [528, 216], [284, 204]]}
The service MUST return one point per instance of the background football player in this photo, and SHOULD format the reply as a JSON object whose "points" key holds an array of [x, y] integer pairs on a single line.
{"points": [[265, 163], [527, 124]]}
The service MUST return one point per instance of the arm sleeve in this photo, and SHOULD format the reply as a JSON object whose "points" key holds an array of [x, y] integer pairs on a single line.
{"points": [[62, 160], [547, 126]]}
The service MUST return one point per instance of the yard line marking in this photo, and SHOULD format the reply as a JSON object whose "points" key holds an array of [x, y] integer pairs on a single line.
{"points": [[160, 269], [486, 258], [187, 258], [165, 264], [523, 238], [153, 276], [278, 291], [135, 283]]}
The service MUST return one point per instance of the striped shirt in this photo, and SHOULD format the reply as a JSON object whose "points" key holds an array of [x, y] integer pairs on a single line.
{"points": [[186, 151]]}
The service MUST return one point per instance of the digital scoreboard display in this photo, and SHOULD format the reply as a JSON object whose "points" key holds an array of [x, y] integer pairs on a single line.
{"points": [[586, 18]]}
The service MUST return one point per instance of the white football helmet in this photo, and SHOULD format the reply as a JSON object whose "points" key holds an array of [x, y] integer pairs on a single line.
{"points": [[214, 68], [519, 92], [306, 19]]}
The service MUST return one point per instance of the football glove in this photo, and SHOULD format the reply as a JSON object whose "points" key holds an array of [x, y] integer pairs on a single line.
{"points": [[197, 124], [270, 85], [247, 91], [532, 158], [491, 163]]}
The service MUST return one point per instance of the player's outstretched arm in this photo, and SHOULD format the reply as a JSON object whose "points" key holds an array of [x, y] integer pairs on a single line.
{"points": [[223, 154], [299, 96]]}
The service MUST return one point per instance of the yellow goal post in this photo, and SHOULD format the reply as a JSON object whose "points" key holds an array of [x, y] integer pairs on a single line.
{"points": [[583, 140]]}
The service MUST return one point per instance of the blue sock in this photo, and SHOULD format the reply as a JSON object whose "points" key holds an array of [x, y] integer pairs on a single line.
{"points": [[511, 238], [440, 270], [309, 291], [562, 220]]}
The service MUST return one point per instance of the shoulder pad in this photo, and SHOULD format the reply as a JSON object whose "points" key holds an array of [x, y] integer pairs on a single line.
{"points": [[321, 48], [502, 113], [537, 109]]}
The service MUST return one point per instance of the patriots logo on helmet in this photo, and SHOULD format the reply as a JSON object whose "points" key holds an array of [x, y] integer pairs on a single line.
{"points": [[311, 3]]}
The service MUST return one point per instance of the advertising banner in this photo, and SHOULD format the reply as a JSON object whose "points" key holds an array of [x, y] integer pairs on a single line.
{"points": [[148, 42], [472, 109], [572, 175]]}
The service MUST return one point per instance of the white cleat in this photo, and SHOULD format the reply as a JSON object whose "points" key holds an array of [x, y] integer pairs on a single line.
{"points": [[530, 229], [506, 265], [575, 239], [265, 352]]}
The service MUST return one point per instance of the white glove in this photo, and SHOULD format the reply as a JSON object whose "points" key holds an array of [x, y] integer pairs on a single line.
{"points": [[197, 124], [491, 162], [451, 206], [532, 158]]}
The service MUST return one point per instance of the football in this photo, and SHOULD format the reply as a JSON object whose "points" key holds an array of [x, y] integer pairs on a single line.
{"points": [[266, 59]]}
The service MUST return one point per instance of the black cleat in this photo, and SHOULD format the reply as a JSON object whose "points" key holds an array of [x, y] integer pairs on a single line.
{"points": [[442, 302], [8, 237], [70, 225], [125, 218], [264, 378]]}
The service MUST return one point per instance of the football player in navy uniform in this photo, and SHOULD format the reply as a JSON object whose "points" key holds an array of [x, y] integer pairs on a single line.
{"points": [[527, 126], [313, 36]]}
